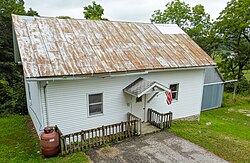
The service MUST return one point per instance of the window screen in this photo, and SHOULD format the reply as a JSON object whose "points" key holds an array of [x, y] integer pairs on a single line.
{"points": [[95, 104]]}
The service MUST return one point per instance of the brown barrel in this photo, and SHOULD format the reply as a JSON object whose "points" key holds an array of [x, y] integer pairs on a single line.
{"points": [[49, 142]]}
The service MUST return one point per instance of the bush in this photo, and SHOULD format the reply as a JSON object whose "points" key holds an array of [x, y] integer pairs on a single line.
{"points": [[12, 98], [243, 86]]}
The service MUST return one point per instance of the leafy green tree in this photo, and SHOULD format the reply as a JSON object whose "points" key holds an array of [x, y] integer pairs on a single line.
{"points": [[200, 28], [63, 17], [8, 7], [32, 12], [233, 28], [194, 21], [94, 12], [12, 94], [176, 12]]}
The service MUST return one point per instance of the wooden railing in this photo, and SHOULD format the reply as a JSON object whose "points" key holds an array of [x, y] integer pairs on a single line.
{"points": [[95, 137], [132, 117], [160, 120]]}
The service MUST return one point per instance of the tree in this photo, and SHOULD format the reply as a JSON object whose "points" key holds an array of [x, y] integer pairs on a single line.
{"points": [[194, 21], [63, 17], [32, 12], [233, 28], [94, 12], [12, 94], [176, 12]]}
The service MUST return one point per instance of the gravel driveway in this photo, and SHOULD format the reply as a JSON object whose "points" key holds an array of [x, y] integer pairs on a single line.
{"points": [[158, 147]]}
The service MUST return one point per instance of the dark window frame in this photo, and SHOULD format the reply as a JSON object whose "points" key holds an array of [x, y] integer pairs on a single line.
{"points": [[94, 104], [176, 92]]}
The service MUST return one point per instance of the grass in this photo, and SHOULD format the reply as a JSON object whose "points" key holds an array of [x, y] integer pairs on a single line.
{"points": [[228, 134], [18, 143]]}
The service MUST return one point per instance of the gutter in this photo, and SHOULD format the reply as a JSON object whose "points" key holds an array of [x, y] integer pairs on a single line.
{"points": [[225, 82], [85, 77], [184, 68], [98, 76]]}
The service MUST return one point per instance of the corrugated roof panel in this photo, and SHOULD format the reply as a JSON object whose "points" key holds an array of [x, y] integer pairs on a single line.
{"points": [[113, 48], [130, 37], [202, 55], [39, 50], [187, 54], [106, 53], [124, 43], [59, 47], [161, 47], [145, 46], [155, 48]]}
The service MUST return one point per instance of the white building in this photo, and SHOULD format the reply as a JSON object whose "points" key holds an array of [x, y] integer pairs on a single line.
{"points": [[82, 74]]}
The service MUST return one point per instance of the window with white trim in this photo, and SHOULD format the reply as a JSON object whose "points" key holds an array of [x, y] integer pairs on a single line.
{"points": [[175, 91], [95, 104]]}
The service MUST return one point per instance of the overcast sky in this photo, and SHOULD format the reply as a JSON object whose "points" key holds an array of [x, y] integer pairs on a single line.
{"points": [[121, 10]]}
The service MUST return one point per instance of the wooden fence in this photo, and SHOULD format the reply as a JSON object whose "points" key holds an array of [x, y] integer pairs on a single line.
{"points": [[98, 136], [160, 120], [132, 117]]}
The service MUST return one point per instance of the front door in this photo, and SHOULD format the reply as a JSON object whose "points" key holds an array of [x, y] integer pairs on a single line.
{"points": [[138, 107]]}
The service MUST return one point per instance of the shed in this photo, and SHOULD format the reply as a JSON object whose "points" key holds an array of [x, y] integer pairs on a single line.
{"points": [[213, 89], [83, 74]]}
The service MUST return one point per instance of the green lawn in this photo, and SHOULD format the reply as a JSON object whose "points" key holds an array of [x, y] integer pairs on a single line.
{"points": [[19, 144], [228, 134]]}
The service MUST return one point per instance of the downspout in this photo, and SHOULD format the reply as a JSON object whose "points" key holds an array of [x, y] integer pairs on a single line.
{"points": [[145, 107], [131, 107], [46, 103]]}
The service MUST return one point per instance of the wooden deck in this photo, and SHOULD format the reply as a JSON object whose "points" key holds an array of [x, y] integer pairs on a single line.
{"points": [[112, 133]]}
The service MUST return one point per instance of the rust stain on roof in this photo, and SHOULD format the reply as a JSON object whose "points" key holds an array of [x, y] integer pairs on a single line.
{"points": [[60, 47]]}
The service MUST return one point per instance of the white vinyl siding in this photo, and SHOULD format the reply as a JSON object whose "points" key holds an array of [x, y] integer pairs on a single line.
{"points": [[34, 104], [189, 97], [68, 104]]}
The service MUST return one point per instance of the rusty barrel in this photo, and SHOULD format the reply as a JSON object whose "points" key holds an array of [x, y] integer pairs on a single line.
{"points": [[49, 142]]}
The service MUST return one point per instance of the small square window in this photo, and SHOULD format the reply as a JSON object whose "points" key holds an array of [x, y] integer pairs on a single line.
{"points": [[139, 99], [95, 104], [175, 91]]}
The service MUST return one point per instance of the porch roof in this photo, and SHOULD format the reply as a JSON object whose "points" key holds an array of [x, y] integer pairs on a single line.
{"points": [[142, 86]]}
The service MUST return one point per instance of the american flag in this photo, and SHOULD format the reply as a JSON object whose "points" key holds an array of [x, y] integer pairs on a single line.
{"points": [[169, 96]]}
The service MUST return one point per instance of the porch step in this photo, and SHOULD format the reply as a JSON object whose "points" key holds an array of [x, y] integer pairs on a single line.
{"points": [[147, 128]]}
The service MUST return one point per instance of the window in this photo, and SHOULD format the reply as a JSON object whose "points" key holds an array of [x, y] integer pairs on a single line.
{"points": [[95, 104], [175, 89], [139, 99]]}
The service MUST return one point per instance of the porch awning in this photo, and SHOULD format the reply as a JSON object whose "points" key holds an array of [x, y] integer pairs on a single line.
{"points": [[142, 86]]}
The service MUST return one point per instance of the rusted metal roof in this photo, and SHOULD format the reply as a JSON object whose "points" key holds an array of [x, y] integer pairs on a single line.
{"points": [[62, 47], [142, 86]]}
